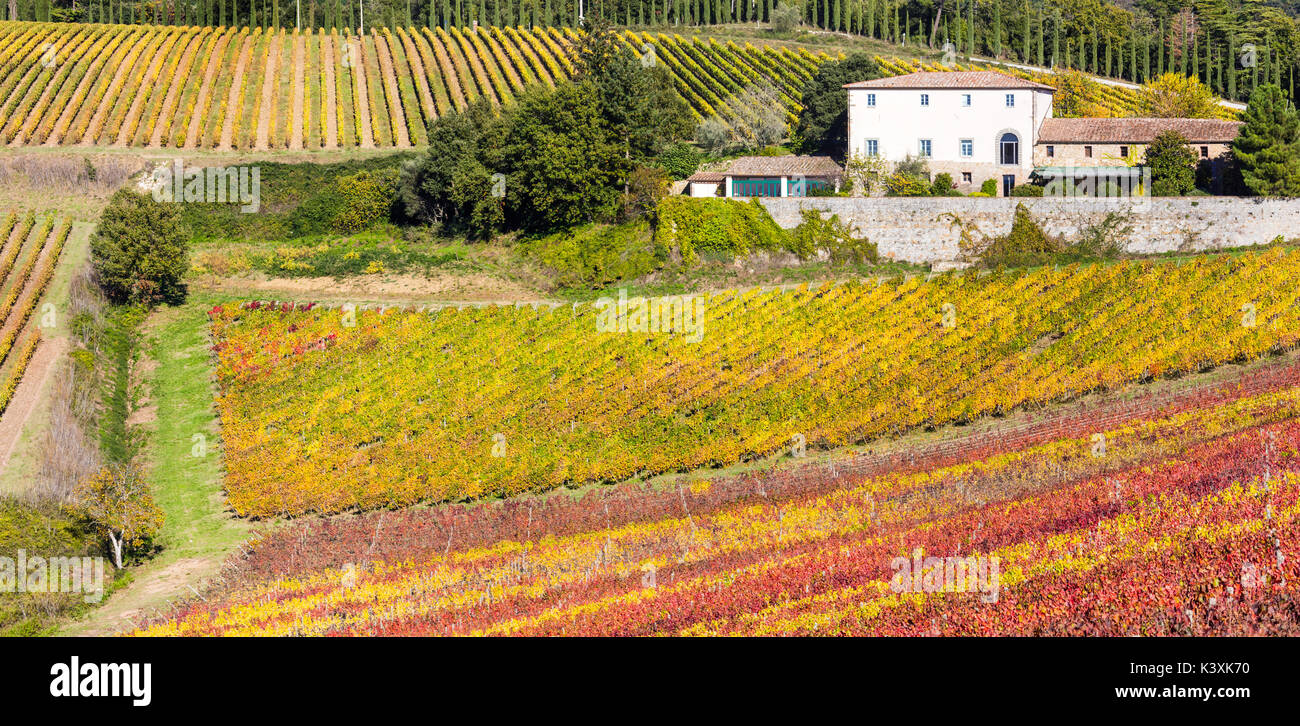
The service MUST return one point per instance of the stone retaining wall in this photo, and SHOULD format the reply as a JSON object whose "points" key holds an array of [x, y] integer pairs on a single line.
{"points": [[921, 229]]}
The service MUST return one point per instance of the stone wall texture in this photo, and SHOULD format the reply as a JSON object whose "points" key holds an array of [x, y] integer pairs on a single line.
{"points": [[921, 229]]}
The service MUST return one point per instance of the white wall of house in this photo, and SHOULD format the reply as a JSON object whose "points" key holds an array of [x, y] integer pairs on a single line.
{"points": [[898, 122], [704, 189]]}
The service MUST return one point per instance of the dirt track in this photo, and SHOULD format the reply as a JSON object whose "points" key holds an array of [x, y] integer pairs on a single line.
{"points": [[23, 403]]}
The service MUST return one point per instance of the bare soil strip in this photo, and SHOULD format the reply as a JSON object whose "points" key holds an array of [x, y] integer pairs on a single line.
{"points": [[236, 94], [128, 123], [421, 81], [173, 94], [268, 86], [201, 104], [361, 93], [299, 90], [27, 394], [331, 103], [401, 136]]}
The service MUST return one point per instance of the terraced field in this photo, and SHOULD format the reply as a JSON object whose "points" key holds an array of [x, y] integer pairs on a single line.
{"points": [[240, 88]]}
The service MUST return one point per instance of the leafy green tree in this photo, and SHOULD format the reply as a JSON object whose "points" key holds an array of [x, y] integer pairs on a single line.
{"points": [[1172, 163], [637, 100], [823, 123], [563, 168], [139, 252], [1267, 147], [451, 184]]}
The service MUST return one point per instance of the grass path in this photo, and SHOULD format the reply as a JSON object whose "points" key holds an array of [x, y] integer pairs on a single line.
{"points": [[199, 533]]}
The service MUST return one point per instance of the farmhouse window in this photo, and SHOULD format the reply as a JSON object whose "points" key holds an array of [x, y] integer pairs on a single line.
{"points": [[1087, 151], [965, 177], [1205, 152], [925, 99], [1011, 100], [925, 148], [967, 147], [1051, 152], [871, 99], [965, 99], [873, 147], [1010, 149]]}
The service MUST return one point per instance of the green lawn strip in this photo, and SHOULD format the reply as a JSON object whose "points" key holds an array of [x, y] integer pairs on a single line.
{"points": [[199, 533]]}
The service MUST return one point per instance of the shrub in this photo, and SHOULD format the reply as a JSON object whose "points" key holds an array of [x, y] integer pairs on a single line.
{"points": [[597, 255], [646, 186], [1027, 190], [690, 225], [713, 135], [1173, 165], [138, 252], [1025, 245], [365, 199], [786, 18], [836, 237], [989, 188], [680, 160], [942, 185], [900, 184]]}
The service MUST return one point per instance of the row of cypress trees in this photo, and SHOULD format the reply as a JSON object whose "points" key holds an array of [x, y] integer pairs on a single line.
{"points": [[1231, 66]]}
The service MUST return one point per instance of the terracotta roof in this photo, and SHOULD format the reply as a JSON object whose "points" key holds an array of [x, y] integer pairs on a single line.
{"points": [[707, 176], [950, 79], [1134, 130], [809, 166]]}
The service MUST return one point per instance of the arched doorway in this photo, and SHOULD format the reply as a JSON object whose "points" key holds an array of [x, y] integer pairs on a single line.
{"points": [[1009, 149]]}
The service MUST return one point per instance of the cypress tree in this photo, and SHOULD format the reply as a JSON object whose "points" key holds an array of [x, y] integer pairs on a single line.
{"points": [[1093, 58], [1267, 147], [1041, 58], [1230, 66], [997, 30], [1056, 38], [970, 32], [1024, 55], [1160, 51], [1182, 62], [1146, 58]]}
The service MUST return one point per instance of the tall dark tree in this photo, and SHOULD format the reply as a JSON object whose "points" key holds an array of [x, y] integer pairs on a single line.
{"points": [[823, 123], [1267, 147]]}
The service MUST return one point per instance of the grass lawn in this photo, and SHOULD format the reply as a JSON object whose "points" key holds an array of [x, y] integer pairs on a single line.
{"points": [[199, 532]]}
